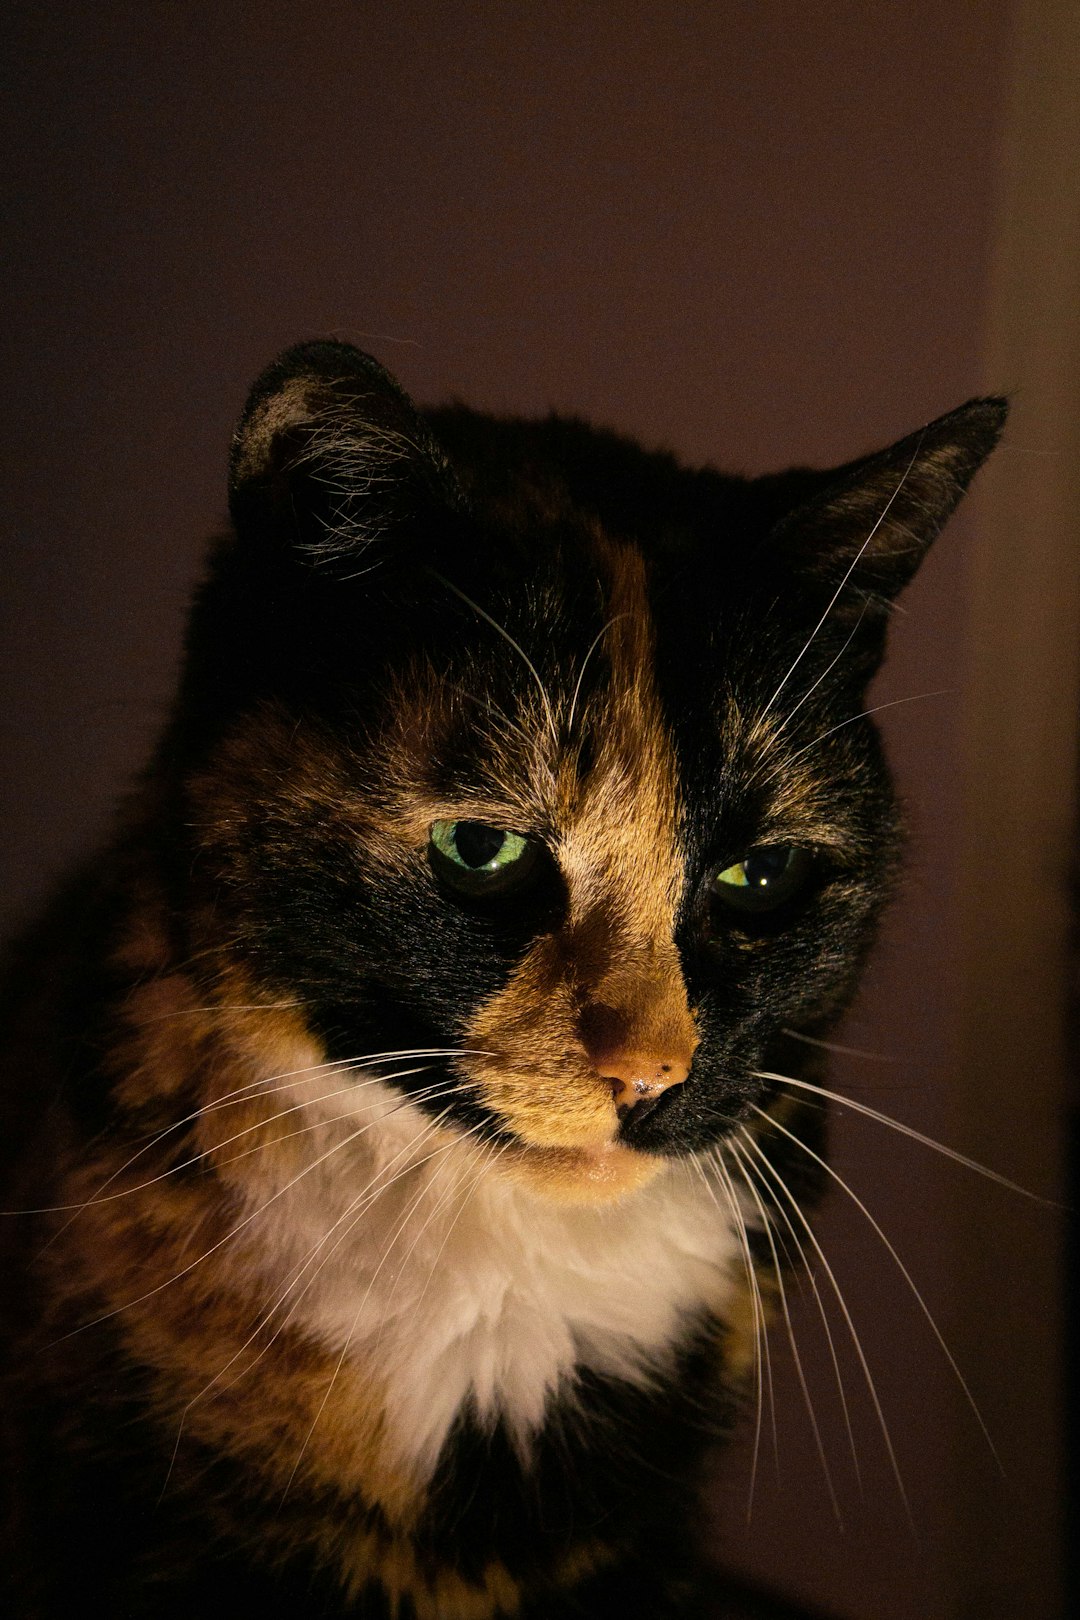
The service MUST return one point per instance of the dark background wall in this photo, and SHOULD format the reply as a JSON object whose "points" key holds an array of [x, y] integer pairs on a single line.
{"points": [[756, 233]]}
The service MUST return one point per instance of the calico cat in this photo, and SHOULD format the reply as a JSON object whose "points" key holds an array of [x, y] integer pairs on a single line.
{"points": [[393, 1113]]}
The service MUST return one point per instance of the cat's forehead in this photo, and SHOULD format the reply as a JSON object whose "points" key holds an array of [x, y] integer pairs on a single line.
{"points": [[563, 702], [541, 682]]}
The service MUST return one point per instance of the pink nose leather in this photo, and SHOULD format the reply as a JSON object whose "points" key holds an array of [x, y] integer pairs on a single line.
{"points": [[637, 1076], [640, 1037]]}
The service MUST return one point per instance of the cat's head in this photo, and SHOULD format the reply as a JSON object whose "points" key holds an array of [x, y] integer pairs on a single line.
{"points": [[511, 738]]}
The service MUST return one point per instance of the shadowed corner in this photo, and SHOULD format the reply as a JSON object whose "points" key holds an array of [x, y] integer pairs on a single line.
{"points": [[729, 1598]]}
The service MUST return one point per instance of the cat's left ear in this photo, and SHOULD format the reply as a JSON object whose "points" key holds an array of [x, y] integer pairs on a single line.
{"points": [[330, 455], [870, 523]]}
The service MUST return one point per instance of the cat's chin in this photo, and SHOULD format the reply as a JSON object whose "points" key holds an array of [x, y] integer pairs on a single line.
{"points": [[592, 1175]]}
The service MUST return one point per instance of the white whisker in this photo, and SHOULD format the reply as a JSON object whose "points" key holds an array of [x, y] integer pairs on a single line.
{"points": [[518, 648], [770, 1169], [918, 697], [834, 1046], [907, 1130], [762, 1353], [441, 1203], [357, 1208], [847, 575], [140, 1299], [751, 1187], [492, 1159], [584, 666], [857, 1201], [399, 1228], [207, 1153], [231, 1099]]}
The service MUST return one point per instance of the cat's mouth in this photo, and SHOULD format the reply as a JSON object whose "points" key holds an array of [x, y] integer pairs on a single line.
{"points": [[632, 1119], [572, 1138]]}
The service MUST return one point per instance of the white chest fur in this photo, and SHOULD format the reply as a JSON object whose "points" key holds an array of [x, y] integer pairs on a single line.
{"points": [[463, 1287]]}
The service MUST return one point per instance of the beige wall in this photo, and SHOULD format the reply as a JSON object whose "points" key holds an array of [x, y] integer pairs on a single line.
{"points": [[758, 233]]}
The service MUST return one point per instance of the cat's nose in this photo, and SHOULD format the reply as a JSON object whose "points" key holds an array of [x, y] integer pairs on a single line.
{"points": [[639, 1046], [640, 1039], [637, 1077]]}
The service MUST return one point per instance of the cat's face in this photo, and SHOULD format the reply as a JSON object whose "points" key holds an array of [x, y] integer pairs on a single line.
{"points": [[552, 756]]}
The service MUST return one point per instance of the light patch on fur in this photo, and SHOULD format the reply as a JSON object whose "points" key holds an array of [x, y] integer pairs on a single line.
{"points": [[461, 1288], [425, 1273], [610, 977], [359, 440], [436, 1594]]}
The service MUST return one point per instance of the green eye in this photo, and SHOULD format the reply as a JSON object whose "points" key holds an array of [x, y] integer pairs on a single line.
{"points": [[764, 878], [479, 860]]}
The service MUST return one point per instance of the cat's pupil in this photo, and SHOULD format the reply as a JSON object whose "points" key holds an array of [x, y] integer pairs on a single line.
{"points": [[479, 861], [477, 844], [763, 881], [763, 867]]}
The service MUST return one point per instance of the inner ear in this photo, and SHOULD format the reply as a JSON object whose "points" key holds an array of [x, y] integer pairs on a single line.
{"points": [[865, 531], [330, 455]]}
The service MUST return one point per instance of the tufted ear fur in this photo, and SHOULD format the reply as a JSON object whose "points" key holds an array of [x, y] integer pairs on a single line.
{"points": [[865, 531], [330, 455]]}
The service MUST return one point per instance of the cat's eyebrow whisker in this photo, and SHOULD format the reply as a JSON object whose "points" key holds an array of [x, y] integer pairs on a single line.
{"points": [[769, 1169], [907, 1130], [864, 714], [597, 639], [857, 1201], [485, 700], [749, 1181], [848, 573], [792, 712], [518, 648], [222, 1009]]}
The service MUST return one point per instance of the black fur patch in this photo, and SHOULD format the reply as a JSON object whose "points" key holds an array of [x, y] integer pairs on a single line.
{"points": [[411, 612]]}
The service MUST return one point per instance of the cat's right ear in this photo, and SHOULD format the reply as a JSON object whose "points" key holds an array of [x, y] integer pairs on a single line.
{"points": [[861, 535], [330, 456]]}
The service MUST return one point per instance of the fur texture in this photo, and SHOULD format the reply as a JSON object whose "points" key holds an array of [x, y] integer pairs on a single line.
{"points": [[381, 1107]]}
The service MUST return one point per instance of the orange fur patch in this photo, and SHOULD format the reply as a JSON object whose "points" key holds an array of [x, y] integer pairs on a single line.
{"points": [[612, 967]]}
